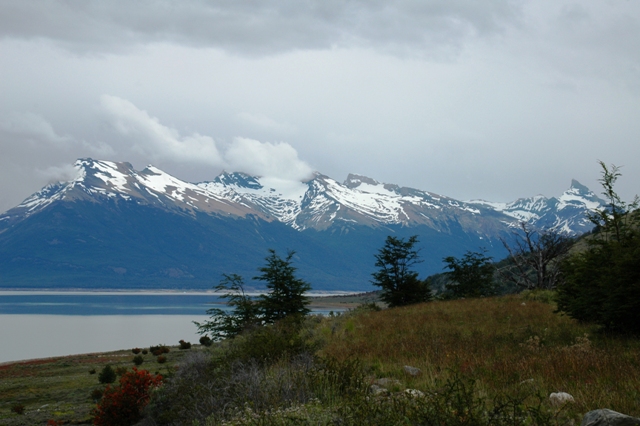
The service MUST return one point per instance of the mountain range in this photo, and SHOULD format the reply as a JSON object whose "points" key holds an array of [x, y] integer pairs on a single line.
{"points": [[115, 227]]}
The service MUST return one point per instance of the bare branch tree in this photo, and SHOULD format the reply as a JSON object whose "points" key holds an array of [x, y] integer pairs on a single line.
{"points": [[534, 256]]}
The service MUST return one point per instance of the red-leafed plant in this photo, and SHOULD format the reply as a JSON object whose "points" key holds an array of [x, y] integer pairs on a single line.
{"points": [[122, 405]]}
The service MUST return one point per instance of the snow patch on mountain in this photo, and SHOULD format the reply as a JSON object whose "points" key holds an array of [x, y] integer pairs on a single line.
{"points": [[319, 203]]}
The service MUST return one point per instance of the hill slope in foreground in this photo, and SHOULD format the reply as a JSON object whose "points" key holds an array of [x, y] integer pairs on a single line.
{"points": [[508, 346]]}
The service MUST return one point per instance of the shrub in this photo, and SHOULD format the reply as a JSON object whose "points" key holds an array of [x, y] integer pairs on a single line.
{"points": [[161, 359], [144, 352], [159, 350], [184, 345], [92, 371], [107, 375], [470, 276], [96, 394], [18, 408], [136, 351], [122, 405], [121, 370], [602, 283], [206, 341], [269, 344], [138, 360]]}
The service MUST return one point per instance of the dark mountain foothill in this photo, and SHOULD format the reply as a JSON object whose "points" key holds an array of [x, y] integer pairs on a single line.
{"points": [[117, 228]]}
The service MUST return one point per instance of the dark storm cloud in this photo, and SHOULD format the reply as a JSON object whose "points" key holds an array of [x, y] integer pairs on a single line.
{"points": [[255, 26]]}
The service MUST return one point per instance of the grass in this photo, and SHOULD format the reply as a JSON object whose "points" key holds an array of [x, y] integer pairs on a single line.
{"points": [[504, 343], [483, 361], [60, 388]]}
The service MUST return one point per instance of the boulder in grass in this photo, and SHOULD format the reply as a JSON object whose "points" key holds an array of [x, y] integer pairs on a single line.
{"points": [[414, 393], [606, 417], [412, 371], [560, 398]]}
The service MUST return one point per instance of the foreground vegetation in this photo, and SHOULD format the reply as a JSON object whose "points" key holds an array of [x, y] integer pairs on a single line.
{"points": [[63, 389], [481, 361]]}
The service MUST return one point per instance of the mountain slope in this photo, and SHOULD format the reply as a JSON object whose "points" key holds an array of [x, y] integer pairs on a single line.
{"points": [[115, 227]]}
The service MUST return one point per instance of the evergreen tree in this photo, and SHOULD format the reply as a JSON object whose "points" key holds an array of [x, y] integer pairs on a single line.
{"points": [[602, 283], [400, 284], [245, 314], [286, 291], [471, 276]]}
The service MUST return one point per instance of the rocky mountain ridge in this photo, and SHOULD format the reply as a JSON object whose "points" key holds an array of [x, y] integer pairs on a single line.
{"points": [[319, 203], [115, 227]]}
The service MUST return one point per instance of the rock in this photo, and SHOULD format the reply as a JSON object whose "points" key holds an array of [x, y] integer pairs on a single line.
{"points": [[377, 390], [414, 393], [412, 371], [560, 398], [387, 382], [606, 417]]}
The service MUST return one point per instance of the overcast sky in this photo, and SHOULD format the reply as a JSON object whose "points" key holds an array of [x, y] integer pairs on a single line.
{"points": [[495, 99]]}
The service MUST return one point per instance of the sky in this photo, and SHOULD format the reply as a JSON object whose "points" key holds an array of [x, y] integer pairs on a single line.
{"points": [[493, 100]]}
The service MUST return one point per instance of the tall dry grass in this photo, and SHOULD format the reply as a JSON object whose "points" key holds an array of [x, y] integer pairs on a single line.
{"points": [[505, 343]]}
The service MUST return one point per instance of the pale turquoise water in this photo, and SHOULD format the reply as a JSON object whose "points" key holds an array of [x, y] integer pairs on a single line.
{"points": [[47, 324]]}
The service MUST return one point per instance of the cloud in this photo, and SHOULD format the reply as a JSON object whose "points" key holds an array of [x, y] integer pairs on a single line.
{"points": [[263, 122], [62, 173], [255, 27], [155, 140], [266, 159], [158, 142], [34, 128]]}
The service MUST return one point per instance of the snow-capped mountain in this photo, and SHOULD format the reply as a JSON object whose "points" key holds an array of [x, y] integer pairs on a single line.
{"points": [[147, 228], [566, 213], [119, 181]]}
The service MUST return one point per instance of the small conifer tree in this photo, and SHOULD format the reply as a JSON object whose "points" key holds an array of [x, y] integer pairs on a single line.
{"points": [[400, 284], [286, 296]]}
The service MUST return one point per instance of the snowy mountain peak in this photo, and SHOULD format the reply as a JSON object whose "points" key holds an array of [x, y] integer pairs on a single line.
{"points": [[239, 180], [577, 186], [319, 203], [354, 180], [566, 213]]}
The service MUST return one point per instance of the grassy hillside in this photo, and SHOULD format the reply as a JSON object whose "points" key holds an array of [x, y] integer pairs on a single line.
{"points": [[61, 388], [504, 343], [481, 361]]}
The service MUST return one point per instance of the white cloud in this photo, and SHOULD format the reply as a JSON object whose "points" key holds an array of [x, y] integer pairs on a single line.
{"points": [[34, 128], [62, 173], [158, 142], [266, 159], [155, 140]]}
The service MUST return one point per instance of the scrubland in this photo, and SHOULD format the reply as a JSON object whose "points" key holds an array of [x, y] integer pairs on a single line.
{"points": [[482, 361]]}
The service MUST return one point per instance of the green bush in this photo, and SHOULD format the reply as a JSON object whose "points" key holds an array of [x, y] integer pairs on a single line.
{"points": [[206, 341], [184, 345], [159, 350], [602, 285], [138, 359], [268, 344], [107, 375]]}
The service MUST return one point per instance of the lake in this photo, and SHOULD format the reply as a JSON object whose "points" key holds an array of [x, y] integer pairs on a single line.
{"points": [[47, 324]]}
